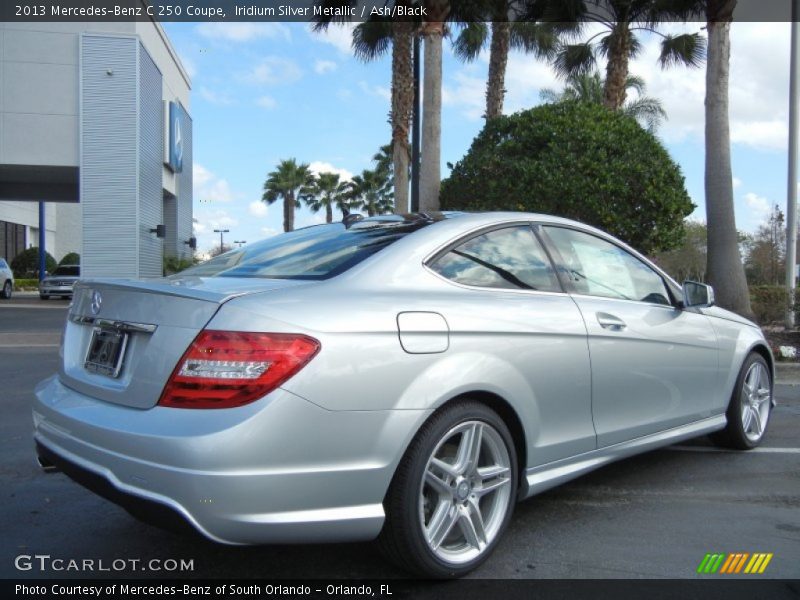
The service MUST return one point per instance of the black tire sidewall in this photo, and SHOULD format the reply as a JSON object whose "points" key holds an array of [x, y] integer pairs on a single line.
{"points": [[424, 447]]}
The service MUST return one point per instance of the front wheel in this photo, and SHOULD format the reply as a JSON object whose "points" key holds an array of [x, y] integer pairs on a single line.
{"points": [[6, 292], [453, 493], [750, 406]]}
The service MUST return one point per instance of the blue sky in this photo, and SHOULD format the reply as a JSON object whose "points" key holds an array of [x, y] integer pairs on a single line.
{"points": [[262, 92]]}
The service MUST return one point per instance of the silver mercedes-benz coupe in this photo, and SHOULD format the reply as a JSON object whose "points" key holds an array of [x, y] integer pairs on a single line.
{"points": [[407, 378]]}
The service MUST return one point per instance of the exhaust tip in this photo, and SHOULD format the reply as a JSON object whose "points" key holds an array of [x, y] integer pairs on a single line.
{"points": [[46, 465]]}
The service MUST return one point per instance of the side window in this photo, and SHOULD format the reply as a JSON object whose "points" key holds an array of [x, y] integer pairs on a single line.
{"points": [[509, 258], [596, 267]]}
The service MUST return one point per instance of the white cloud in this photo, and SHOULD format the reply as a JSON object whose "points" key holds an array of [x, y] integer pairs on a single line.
{"points": [[208, 187], [375, 90], [758, 89], [757, 204], [737, 183], [340, 36], [214, 97], [467, 93], [267, 102], [274, 70], [344, 94], [257, 208], [324, 66], [244, 32], [318, 167], [269, 231]]}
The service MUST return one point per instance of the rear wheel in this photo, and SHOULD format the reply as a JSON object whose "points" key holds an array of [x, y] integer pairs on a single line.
{"points": [[453, 493], [6, 292], [750, 406]]}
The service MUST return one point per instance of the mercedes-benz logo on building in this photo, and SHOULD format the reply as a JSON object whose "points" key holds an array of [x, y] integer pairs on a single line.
{"points": [[178, 141], [97, 301]]}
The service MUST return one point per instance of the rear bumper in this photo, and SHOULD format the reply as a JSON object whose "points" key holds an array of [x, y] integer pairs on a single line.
{"points": [[280, 470]]}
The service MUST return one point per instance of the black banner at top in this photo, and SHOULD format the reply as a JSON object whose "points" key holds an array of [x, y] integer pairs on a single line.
{"points": [[351, 10]]}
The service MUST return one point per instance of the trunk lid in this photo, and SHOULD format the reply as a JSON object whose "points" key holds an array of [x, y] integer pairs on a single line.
{"points": [[151, 324]]}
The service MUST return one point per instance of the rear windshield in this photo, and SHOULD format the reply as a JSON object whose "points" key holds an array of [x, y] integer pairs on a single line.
{"points": [[317, 252], [68, 271]]}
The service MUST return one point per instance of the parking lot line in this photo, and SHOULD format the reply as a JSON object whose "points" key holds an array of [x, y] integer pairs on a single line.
{"points": [[43, 306], [761, 450]]}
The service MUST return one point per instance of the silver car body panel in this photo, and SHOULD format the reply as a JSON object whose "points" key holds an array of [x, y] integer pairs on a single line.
{"points": [[312, 460]]}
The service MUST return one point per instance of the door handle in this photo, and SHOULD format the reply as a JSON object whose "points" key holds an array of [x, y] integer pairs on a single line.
{"points": [[611, 322]]}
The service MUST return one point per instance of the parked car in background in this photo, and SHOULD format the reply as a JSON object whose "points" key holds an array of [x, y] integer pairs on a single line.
{"points": [[59, 282], [6, 280], [407, 378]]}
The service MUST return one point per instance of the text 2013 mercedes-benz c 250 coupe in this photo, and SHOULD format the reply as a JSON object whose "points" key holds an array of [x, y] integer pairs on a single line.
{"points": [[407, 378]]}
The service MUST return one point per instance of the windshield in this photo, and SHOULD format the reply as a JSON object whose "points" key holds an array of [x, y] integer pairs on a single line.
{"points": [[68, 271], [317, 252]]}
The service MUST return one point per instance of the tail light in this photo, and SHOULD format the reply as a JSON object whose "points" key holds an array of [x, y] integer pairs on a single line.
{"points": [[224, 369]]}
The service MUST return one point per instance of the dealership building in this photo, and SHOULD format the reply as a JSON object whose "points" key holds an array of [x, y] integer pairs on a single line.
{"points": [[96, 142]]}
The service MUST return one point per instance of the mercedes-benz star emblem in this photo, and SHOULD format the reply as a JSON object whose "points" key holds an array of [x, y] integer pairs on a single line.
{"points": [[97, 301]]}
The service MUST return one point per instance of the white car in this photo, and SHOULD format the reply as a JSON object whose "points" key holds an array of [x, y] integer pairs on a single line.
{"points": [[6, 280]]}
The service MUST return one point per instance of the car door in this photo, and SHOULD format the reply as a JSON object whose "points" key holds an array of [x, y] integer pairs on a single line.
{"points": [[513, 307], [654, 366]]}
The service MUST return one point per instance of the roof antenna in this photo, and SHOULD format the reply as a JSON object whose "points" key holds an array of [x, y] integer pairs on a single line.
{"points": [[351, 218]]}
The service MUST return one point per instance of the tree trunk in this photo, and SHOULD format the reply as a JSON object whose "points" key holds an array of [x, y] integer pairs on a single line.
{"points": [[617, 67], [725, 269], [288, 212], [498, 59], [402, 106], [430, 169], [328, 213]]}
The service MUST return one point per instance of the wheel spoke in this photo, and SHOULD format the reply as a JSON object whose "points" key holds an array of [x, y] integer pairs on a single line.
{"points": [[438, 484], [444, 467], [757, 426], [747, 417], [471, 524], [491, 486], [469, 450], [491, 472], [441, 523]]}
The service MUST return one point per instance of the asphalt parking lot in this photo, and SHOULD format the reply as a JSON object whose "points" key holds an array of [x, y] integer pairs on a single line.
{"points": [[652, 516]]}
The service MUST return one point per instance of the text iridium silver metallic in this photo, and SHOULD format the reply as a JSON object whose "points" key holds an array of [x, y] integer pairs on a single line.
{"points": [[580, 374]]}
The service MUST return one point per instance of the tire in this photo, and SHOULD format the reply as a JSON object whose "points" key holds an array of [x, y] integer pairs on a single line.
{"points": [[6, 291], [44, 297], [749, 409], [452, 492]]}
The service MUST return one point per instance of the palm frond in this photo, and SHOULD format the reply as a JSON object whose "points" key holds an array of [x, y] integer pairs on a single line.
{"points": [[539, 39], [635, 83], [470, 40], [371, 39], [647, 110], [687, 49], [549, 96], [574, 59]]}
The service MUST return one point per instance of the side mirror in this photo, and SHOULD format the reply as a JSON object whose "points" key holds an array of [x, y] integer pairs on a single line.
{"points": [[697, 294]]}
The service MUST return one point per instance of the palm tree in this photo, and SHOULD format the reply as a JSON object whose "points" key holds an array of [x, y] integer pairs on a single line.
{"points": [[371, 39], [588, 87], [327, 191], [725, 268], [372, 191], [433, 29], [536, 38], [618, 41], [288, 182]]}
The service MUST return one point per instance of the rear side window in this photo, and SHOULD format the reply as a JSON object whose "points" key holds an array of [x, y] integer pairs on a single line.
{"points": [[316, 252], [509, 258], [68, 271]]}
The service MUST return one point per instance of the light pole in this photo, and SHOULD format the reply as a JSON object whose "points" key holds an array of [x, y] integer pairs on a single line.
{"points": [[791, 201], [220, 232], [240, 242]]}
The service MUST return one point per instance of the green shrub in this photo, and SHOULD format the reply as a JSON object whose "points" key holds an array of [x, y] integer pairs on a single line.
{"points": [[26, 284], [576, 160], [26, 263], [173, 264], [73, 258], [769, 303]]}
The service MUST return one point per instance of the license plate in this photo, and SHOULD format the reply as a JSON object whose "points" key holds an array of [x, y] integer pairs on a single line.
{"points": [[106, 351]]}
